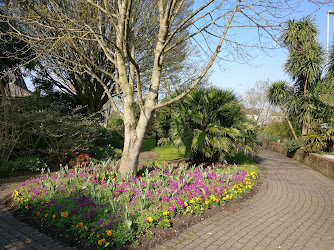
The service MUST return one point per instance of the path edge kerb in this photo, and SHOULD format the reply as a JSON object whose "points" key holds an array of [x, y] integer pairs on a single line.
{"points": [[317, 162]]}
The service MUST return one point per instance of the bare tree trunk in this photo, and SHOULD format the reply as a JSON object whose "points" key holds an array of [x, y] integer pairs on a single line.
{"points": [[133, 140], [291, 128], [4, 136], [289, 122]]}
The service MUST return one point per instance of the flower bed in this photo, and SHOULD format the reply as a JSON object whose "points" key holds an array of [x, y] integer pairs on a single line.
{"points": [[96, 202]]}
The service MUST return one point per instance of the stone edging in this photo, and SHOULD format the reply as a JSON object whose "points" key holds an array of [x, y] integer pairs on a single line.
{"points": [[315, 161]]}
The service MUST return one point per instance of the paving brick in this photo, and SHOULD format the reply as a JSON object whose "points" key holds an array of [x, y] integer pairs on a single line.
{"points": [[293, 207]]}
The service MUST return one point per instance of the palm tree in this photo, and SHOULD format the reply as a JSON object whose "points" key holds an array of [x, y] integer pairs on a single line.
{"points": [[277, 95], [305, 56], [209, 123]]}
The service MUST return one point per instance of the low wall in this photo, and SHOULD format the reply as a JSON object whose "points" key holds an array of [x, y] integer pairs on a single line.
{"points": [[277, 147], [318, 162]]}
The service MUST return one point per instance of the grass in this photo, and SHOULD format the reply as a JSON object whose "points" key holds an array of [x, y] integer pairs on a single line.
{"points": [[167, 153], [170, 152]]}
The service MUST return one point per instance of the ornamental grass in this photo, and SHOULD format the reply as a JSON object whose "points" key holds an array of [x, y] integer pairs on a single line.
{"points": [[95, 202]]}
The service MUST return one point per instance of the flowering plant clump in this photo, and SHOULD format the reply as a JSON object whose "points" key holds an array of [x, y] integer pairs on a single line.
{"points": [[80, 160], [96, 202]]}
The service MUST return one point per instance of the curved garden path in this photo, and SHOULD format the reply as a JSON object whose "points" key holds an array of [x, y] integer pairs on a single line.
{"points": [[293, 209]]}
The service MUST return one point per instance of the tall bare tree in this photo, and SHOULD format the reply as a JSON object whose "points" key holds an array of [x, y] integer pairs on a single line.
{"points": [[255, 99], [123, 29]]}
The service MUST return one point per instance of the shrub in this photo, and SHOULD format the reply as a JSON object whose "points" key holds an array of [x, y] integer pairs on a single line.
{"points": [[80, 160], [164, 141], [105, 153], [294, 144], [209, 123], [280, 129], [13, 167], [109, 137], [35, 126]]}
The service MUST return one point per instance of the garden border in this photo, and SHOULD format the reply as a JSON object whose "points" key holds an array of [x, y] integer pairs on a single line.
{"points": [[315, 161]]}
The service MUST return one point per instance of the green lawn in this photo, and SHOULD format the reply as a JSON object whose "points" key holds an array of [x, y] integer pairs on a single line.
{"points": [[170, 152], [167, 153]]}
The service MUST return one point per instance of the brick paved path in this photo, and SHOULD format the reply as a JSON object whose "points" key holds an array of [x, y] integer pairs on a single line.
{"points": [[294, 209]]}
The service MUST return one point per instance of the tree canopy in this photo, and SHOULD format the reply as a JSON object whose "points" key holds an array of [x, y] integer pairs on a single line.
{"points": [[137, 38]]}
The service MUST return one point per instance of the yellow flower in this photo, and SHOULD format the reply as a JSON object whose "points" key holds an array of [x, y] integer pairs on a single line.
{"points": [[53, 216], [150, 219], [79, 225], [46, 215], [38, 213], [107, 244], [109, 233], [64, 214], [18, 199], [186, 203], [166, 220], [26, 207], [191, 201], [165, 212], [15, 193], [98, 235], [206, 202]]}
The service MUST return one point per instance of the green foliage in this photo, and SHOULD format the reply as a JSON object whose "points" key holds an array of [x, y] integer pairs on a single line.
{"points": [[164, 141], [148, 144], [115, 122], [209, 123], [294, 144], [240, 158], [105, 153], [280, 129], [35, 125], [109, 137], [13, 167], [163, 121], [305, 52]]}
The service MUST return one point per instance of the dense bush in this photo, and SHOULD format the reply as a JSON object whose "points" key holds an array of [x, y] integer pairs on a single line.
{"points": [[208, 123], [25, 164], [109, 137], [280, 129], [294, 144], [35, 125], [106, 152]]}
